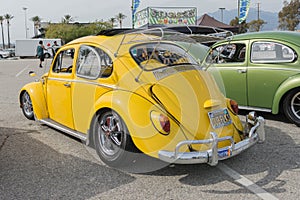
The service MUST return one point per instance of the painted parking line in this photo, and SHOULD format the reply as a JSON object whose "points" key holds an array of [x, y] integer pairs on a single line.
{"points": [[246, 182], [18, 74]]}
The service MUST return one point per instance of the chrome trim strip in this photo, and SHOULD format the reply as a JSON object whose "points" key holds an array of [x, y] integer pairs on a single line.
{"points": [[255, 108], [259, 68], [64, 129], [85, 82], [274, 68]]}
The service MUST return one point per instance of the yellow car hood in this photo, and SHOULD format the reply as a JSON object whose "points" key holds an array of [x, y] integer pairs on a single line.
{"points": [[189, 96]]}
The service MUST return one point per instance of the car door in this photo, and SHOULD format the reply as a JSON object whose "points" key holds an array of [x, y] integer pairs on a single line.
{"points": [[229, 68], [92, 80], [270, 64], [59, 88]]}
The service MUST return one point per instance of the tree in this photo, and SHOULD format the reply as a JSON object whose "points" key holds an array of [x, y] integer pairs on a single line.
{"points": [[67, 19], [243, 27], [120, 18], [288, 17], [36, 24], [112, 21], [1, 22], [256, 25], [8, 17], [69, 32]]}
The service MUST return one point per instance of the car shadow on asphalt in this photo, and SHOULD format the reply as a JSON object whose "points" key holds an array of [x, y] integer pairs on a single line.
{"points": [[31, 169], [277, 154]]}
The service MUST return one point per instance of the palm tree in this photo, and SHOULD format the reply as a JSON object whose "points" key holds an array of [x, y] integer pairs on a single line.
{"points": [[8, 17], [67, 19], [120, 18], [112, 21], [1, 22], [36, 24]]}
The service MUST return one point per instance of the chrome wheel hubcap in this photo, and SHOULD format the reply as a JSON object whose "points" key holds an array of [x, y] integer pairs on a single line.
{"points": [[295, 105], [27, 104], [110, 134]]}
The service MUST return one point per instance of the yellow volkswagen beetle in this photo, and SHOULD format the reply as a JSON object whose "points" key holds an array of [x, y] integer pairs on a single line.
{"points": [[139, 91]]}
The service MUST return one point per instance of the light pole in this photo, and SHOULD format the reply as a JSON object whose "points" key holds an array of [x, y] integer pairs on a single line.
{"points": [[222, 9], [26, 29]]}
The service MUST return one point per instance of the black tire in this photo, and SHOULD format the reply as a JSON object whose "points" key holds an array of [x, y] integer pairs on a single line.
{"points": [[291, 106], [47, 55], [112, 140], [26, 105]]}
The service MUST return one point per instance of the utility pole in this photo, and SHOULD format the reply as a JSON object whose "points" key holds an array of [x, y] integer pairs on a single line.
{"points": [[222, 9], [132, 14], [258, 5], [26, 29], [238, 8], [238, 15]]}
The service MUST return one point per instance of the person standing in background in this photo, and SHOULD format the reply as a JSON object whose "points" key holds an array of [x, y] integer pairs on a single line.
{"points": [[54, 48], [40, 52]]}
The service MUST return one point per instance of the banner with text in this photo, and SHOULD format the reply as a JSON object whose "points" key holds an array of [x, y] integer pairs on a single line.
{"points": [[166, 16]]}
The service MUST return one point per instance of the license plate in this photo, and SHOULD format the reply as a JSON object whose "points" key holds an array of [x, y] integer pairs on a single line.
{"points": [[219, 118], [224, 153]]}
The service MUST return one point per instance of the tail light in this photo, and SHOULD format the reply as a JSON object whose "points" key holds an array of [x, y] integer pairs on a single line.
{"points": [[161, 122], [234, 106], [164, 123]]}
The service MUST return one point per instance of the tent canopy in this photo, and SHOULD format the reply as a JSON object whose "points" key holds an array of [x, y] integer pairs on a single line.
{"points": [[206, 20]]}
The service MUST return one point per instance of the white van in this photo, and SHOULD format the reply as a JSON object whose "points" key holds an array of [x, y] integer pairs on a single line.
{"points": [[27, 47]]}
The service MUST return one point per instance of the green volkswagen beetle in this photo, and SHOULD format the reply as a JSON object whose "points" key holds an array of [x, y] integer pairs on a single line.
{"points": [[260, 70]]}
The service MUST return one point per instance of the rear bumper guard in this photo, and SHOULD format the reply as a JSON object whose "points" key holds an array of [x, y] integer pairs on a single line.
{"points": [[213, 155]]}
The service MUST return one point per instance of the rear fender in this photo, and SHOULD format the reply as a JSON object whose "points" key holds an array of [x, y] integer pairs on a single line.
{"points": [[136, 110], [37, 95], [284, 88]]}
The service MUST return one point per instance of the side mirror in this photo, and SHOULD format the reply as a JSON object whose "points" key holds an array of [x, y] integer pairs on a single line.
{"points": [[32, 73]]}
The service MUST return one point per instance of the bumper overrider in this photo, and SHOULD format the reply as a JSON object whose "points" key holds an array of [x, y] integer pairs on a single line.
{"points": [[256, 133]]}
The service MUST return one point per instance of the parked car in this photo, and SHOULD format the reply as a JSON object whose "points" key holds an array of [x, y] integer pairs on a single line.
{"points": [[4, 54], [260, 70], [11, 52], [139, 91]]}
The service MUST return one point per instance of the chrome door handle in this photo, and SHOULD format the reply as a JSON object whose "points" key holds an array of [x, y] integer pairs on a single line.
{"points": [[67, 85], [241, 71]]}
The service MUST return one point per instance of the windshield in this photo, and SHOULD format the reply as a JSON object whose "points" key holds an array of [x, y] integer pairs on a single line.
{"points": [[151, 56]]}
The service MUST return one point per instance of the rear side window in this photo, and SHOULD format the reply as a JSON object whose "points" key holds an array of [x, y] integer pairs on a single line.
{"points": [[271, 52], [93, 62]]}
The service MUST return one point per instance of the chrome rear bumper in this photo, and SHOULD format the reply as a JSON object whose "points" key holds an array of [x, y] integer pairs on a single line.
{"points": [[213, 155]]}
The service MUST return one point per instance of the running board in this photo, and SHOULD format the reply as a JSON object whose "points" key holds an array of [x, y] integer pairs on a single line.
{"points": [[64, 129]]}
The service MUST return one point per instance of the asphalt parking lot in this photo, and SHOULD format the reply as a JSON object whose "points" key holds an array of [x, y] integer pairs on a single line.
{"points": [[38, 162]]}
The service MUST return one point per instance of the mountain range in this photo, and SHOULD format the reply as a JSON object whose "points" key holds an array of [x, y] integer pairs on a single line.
{"points": [[271, 18]]}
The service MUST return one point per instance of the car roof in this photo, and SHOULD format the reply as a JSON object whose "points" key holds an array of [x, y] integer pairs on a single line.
{"points": [[105, 41], [104, 35], [114, 39], [288, 36]]}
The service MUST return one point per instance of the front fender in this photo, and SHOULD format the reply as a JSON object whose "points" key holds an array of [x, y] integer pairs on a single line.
{"points": [[286, 86], [136, 111], [37, 95]]}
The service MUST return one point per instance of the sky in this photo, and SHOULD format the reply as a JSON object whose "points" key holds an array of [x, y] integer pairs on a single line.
{"points": [[92, 10]]}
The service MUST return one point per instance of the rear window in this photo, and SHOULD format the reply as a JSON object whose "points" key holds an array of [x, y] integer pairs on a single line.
{"points": [[93, 62], [152, 56]]}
